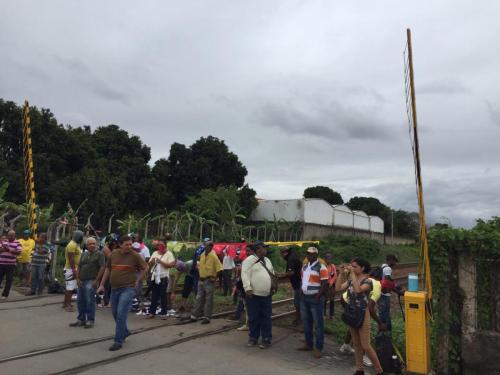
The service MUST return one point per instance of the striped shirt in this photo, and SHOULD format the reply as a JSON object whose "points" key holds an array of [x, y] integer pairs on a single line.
{"points": [[9, 257], [123, 267], [312, 274], [39, 258]]}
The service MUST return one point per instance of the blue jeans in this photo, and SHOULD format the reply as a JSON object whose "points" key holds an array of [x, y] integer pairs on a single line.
{"points": [[312, 316], [86, 301], [37, 275], [259, 311], [121, 302], [384, 311]]}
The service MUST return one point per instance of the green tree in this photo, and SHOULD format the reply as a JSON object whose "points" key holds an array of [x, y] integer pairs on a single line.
{"points": [[206, 164], [405, 223], [324, 192]]}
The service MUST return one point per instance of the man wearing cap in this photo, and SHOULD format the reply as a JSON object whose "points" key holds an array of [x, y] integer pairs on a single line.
{"points": [[209, 268], [24, 259], [314, 289], [256, 276], [384, 304]]}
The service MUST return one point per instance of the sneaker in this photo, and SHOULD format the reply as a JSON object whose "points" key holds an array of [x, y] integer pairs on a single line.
{"points": [[233, 319], [346, 349], [317, 353], [100, 305], [265, 344], [3, 298], [115, 346], [252, 342], [205, 321], [366, 361], [78, 323], [150, 316], [359, 372], [89, 324], [140, 312], [30, 294], [244, 327], [172, 312]]}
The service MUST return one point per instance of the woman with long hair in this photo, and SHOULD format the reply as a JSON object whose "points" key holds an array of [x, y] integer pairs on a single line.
{"points": [[355, 279]]}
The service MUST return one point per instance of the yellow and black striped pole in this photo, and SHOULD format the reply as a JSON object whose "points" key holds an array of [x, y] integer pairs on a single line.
{"points": [[29, 174]]}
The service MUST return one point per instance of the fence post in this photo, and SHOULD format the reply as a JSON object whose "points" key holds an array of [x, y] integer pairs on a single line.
{"points": [[468, 283], [495, 280]]}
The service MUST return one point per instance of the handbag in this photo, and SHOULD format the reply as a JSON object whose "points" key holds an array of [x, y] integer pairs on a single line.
{"points": [[274, 278], [353, 316], [354, 312]]}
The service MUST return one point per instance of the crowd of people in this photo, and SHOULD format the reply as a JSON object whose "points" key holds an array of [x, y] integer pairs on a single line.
{"points": [[114, 273]]}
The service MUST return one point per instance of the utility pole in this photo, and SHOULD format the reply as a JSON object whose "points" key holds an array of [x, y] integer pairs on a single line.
{"points": [[392, 227], [29, 176]]}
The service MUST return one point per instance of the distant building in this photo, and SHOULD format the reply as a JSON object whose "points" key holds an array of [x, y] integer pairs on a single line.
{"points": [[319, 219]]}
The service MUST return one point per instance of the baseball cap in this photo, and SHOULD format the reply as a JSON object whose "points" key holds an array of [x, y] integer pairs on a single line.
{"points": [[136, 246], [257, 244], [312, 250]]}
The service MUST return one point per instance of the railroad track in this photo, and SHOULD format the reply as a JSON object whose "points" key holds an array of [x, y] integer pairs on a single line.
{"points": [[71, 345], [85, 367]]}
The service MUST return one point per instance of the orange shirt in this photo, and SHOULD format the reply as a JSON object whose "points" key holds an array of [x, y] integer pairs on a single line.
{"points": [[332, 274]]}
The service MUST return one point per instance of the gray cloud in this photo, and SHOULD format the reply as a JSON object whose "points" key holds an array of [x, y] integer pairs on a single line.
{"points": [[325, 120], [82, 74], [443, 87], [494, 113]]}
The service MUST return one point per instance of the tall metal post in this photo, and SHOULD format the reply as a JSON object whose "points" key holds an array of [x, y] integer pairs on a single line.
{"points": [[29, 176], [423, 228]]}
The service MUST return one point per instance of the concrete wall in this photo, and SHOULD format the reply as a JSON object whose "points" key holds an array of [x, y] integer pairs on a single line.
{"points": [[288, 210], [318, 211], [317, 232], [398, 240], [342, 216], [361, 220], [376, 224]]}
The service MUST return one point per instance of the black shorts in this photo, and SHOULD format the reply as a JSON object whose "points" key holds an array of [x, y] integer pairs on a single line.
{"points": [[188, 286]]}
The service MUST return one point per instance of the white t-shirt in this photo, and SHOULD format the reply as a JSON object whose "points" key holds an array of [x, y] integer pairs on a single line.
{"points": [[145, 252], [228, 262], [166, 257], [386, 271]]}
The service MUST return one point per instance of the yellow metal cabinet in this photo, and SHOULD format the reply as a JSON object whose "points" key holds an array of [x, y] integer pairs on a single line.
{"points": [[417, 333]]}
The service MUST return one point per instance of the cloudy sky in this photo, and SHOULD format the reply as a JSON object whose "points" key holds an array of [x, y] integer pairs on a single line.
{"points": [[305, 92]]}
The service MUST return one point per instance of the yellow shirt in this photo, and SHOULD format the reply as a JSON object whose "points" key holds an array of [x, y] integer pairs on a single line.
{"points": [[209, 265], [72, 248], [374, 294], [27, 247]]}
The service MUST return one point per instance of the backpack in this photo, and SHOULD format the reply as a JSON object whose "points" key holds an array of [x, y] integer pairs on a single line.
{"points": [[55, 288], [378, 273], [385, 352]]}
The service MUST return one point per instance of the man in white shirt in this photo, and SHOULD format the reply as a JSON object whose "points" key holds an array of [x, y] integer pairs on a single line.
{"points": [[160, 264], [227, 273], [256, 277]]}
